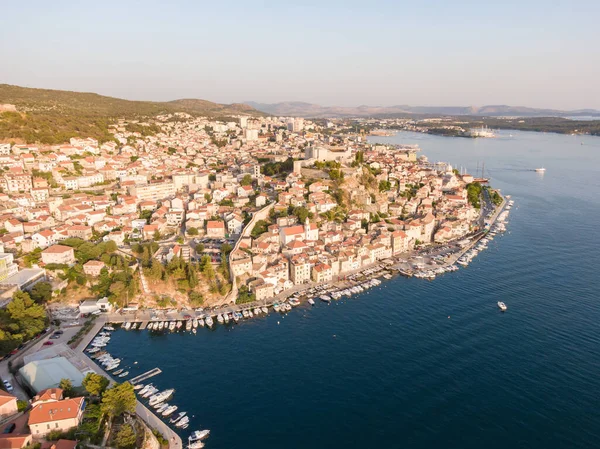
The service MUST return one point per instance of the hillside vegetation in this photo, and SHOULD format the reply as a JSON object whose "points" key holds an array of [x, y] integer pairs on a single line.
{"points": [[54, 116]]}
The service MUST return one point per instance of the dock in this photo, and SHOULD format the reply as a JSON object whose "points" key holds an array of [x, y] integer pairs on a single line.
{"points": [[146, 375]]}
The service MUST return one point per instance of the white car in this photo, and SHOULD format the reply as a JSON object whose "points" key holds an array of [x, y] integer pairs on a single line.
{"points": [[8, 386]]}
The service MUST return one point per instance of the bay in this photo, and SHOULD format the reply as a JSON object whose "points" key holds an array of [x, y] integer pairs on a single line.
{"points": [[423, 364]]}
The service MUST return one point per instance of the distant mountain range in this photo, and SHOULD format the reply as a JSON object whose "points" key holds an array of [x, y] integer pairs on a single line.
{"points": [[301, 109]]}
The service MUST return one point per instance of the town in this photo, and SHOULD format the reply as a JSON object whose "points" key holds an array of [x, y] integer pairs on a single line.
{"points": [[256, 206], [228, 217]]}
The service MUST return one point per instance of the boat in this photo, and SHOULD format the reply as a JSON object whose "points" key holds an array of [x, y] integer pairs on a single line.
{"points": [[179, 324], [195, 323], [108, 328], [162, 396], [138, 386], [127, 325], [264, 309], [169, 410], [118, 372], [172, 326], [124, 374], [178, 417], [209, 321], [220, 318], [502, 306], [311, 301], [199, 435], [195, 445], [540, 170], [188, 325], [194, 330], [200, 322], [161, 407], [183, 422], [325, 298]]}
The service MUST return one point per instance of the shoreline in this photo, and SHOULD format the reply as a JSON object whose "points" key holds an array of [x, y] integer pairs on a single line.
{"points": [[383, 268]]}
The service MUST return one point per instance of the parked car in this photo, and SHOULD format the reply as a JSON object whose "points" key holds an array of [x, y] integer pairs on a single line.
{"points": [[7, 385], [10, 428], [54, 337], [58, 332], [48, 343]]}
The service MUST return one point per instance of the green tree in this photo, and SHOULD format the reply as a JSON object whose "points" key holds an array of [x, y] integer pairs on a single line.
{"points": [[196, 299], [246, 180], [67, 387], [156, 236], [41, 292], [125, 437], [118, 400], [384, 186], [192, 231], [95, 384]]}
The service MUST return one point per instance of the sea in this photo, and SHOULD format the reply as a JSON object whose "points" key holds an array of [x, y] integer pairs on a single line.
{"points": [[416, 363]]}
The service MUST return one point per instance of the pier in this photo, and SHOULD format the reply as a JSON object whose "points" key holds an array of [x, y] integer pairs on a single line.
{"points": [[146, 375]]}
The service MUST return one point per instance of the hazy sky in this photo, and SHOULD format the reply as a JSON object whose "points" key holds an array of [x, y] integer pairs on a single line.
{"points": [[530, 53]]}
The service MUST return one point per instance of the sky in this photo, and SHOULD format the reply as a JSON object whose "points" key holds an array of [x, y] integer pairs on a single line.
{"points": [[336, 53]]}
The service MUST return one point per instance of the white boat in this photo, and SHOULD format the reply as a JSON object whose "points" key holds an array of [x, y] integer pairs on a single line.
{"points": [[540, 170], [195, 445], [169, 410], [179, 324], [502, 306], [226, 317], [195, 323], [311, 301], [209, 321], [124, 374], [127, 325], [162, 396], [199, 435], [194, 330], [178, 417], [138, 386], [220, 318], [264, 309], [188, 325], [325, 298], [161, 407], [118, 372], [183, 422], [172, 326]]}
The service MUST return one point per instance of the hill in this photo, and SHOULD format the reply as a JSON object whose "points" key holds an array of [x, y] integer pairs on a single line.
{"points": [[301, 109], [54, 116]]}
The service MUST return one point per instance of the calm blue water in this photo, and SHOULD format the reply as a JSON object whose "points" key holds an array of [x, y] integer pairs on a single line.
{"points": [[419, 364]]}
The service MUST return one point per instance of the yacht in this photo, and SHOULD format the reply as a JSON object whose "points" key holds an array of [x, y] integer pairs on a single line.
{"points": [[138, 386], [220, 319], [325, 298], [264, 309], [311, 301], [200, 322], [245, 313], [188, 325], [108, 328], [195, 445], [209, 321], [172, 326], [183, 422], [116, 373], [127, 325], [169, 410], [199, 435], [226, 318], [502, 306], [178, 417], [124, 374], [195, 323], [540, 170], [162, 396]]}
